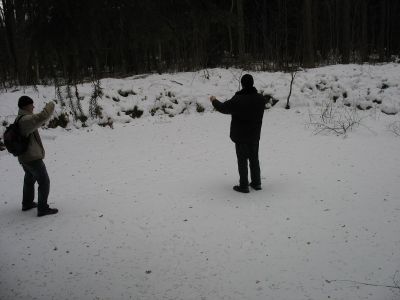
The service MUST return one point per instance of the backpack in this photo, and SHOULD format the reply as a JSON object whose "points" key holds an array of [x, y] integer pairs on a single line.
{"points": [[15, 143]]}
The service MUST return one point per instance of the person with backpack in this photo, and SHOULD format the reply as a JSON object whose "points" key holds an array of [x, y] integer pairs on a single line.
{"points": [[247, 110], [32, 158]]}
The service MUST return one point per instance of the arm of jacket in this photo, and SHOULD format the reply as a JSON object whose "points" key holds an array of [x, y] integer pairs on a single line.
{"points": [[228, 107], [30, 123]]}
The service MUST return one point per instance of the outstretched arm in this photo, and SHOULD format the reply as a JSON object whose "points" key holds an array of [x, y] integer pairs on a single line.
{"points": [[227, 107]]}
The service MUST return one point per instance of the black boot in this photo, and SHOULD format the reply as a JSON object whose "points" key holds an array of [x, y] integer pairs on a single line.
{"points": [[29, 206], [257, 187], [47, 211], [241, 189]]}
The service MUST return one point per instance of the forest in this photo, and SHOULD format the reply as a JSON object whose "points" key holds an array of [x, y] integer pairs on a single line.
{"points": [[70, 41]]}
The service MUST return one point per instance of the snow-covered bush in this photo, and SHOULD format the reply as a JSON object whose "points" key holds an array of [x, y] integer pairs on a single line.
{"points": [[61, 120], [199, 108], [134, 113]]}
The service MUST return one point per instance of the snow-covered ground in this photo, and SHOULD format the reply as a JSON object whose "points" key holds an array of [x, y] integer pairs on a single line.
{"points": [[147, 209]]}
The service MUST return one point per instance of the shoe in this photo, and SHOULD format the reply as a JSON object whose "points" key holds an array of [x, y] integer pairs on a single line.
{"points": [[257, 187], [241, 189], [29, 206], [47, 211]]}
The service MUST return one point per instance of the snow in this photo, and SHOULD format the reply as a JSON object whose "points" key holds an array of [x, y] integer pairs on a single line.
{"points": [[147, 209]]}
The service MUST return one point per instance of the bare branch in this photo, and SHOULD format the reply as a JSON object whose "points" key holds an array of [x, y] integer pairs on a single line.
{"points": [[335, 118]]}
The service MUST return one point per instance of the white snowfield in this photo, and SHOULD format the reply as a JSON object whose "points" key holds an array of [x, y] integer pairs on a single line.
{"points": [[147, 209]]}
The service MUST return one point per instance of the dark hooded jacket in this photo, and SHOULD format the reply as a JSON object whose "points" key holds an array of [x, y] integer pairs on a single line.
{"points": [[247, 110]]}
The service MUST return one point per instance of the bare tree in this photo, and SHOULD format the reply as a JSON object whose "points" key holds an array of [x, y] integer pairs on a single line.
{"points": [[364, 30], [293, 75], [241, 41], [308, 34], [346, 32]]}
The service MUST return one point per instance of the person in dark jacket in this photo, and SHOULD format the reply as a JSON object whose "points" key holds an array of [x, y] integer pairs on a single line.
{"points": [[32, 159], [247, 109]]}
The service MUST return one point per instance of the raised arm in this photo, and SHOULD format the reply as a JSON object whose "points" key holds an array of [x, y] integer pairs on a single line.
{"points": [[30, 123]]}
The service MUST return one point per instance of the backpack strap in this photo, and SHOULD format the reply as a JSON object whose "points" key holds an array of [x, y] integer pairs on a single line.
{"points": [[17, 121]]}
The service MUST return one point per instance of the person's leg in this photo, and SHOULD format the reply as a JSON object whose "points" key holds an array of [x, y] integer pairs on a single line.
{"points": [[254, 165], [242, 156], [38, 170], [44, 186], [28, 193]]}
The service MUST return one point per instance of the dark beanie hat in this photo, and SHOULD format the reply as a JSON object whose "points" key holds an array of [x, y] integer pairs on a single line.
{"points": [[24, 101], [247, 81]]}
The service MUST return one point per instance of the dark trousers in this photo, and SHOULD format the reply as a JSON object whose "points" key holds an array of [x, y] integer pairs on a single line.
{"points": [[35, 171], [248, 152]]}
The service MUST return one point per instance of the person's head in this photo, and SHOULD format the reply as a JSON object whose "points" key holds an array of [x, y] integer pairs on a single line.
{"points": [[26, 103], [247, 81]]}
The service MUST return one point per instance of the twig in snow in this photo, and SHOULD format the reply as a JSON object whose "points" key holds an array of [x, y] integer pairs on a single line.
{"points": [[176, 82], [395, 127], [365, 283]]}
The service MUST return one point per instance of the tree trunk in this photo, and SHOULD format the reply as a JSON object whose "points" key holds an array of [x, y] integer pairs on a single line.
{"points": [[21, 41], [364, 31], [308, 34], [346, 32], [241, 42], [230, 28], [382, 31], [9, 21]]}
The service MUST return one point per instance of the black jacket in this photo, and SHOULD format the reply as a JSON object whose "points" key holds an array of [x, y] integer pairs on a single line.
{"points": [[247, 110]]}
